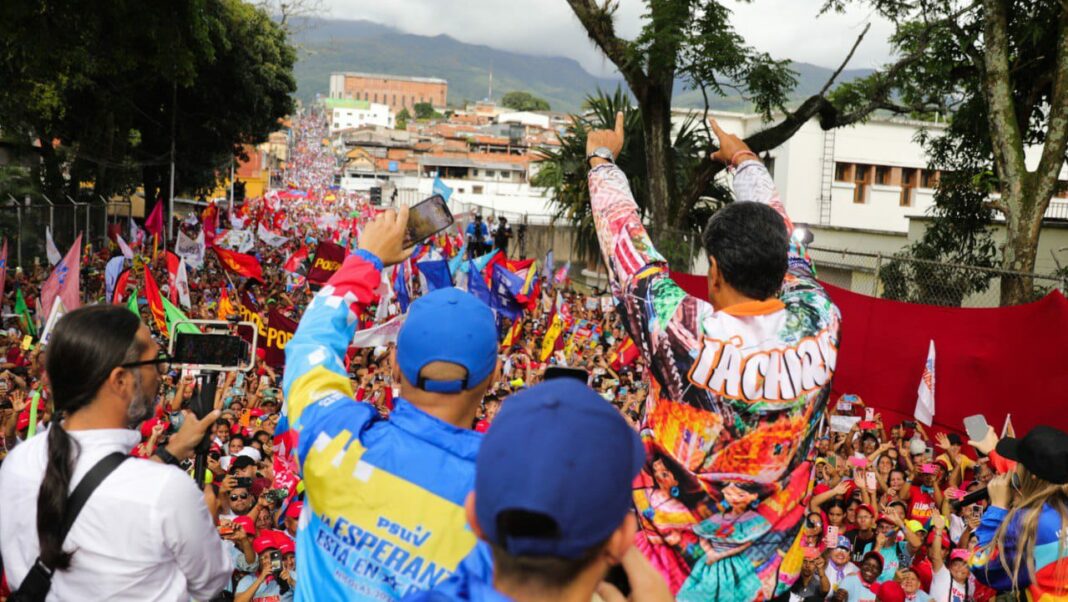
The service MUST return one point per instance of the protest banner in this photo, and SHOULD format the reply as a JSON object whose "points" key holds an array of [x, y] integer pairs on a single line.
{"points": [[328, 259]]}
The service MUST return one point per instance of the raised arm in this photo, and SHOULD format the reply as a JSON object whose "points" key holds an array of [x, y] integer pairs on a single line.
{"points": [[315, 355]]}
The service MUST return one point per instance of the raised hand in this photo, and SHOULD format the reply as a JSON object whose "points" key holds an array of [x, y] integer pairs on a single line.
{"points": [[384, 237], [731, 147], [610, 139]]}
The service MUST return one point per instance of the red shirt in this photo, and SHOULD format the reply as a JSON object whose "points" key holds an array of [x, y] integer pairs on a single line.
{"points": [[921, 505]]}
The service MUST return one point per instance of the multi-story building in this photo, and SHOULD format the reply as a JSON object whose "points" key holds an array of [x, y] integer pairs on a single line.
{"points": [[396, 91], [346, 113]]}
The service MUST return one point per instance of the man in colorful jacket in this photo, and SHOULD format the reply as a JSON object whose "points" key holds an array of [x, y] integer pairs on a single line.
{"points": [[384, 513], [740, 379]]}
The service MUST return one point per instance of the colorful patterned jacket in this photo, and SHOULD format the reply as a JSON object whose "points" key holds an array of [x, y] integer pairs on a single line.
{"points": [[384, 512], [1045, 585], [736, 397]]}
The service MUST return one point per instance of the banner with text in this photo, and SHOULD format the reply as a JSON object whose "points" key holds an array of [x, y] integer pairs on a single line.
{"points": [[328, 259]]}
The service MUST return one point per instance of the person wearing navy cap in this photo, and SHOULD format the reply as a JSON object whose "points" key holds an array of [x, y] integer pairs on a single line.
{"points": [[384, 514], [554, 504]]}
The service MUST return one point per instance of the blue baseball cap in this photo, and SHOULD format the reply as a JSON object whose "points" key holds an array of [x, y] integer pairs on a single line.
{"points": [[563, 458], [448, 325]]}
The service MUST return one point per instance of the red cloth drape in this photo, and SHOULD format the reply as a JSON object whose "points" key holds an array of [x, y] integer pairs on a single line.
{"points": [[989, 361]]}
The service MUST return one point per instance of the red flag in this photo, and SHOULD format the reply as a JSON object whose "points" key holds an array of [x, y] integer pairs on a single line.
{"points": [[120, 287], [279, 330], [154, 222], [172, 276], [239, 263], [625, 356], [293, 263], [155, 302], [328, 259], [209, 220], [65, 281]]}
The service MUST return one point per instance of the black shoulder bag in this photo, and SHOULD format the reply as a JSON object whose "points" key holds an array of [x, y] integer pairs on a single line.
{"points": [[35, 586]]}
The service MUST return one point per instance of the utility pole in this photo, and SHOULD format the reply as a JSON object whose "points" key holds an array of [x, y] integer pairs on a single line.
{"points": [[170, 206]]}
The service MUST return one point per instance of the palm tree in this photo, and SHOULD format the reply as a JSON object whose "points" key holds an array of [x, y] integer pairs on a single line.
{"points": [[563, 171]]}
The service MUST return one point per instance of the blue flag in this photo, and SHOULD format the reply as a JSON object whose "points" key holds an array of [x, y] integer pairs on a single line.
{"points": [[400, 286], [441, 188], [436, 273], [506, 286], [477, 286]]}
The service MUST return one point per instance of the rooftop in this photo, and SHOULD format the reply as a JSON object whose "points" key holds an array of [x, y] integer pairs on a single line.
{"points": [[346, 103], [403, 78]]}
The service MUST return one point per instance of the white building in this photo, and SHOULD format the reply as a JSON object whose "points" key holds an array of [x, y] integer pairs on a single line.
{"points": [[527, 118], [347, 114]]}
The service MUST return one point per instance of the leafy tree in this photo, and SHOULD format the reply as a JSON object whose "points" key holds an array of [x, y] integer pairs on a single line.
{"points": [[425, 110], [403, 118], [524, 101], [110, 99], [999, 70], [694, 40], [564, 170]]}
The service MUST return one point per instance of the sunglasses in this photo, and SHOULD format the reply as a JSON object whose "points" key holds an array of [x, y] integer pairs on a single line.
{"points": [[162, 363], [238, 496]]}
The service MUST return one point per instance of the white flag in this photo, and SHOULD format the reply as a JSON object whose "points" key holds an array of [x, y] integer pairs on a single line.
{"points": [[127, 252], [53, 316], [181, 282], [192, 251], [380, 335], [272, 239], [54, 256], [925, 397], [385, 295]]}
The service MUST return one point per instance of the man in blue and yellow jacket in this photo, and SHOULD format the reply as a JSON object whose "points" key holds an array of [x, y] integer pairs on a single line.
{"points": [[384, 513]]}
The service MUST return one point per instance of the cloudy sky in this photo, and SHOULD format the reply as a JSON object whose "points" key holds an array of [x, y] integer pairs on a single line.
{"points": [[785, 28]]}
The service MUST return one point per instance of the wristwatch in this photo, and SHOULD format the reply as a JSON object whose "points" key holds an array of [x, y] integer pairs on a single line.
{"points": [[166, 456], [601, 152]]}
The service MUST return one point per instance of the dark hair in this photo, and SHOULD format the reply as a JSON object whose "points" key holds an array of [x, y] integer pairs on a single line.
{"points": [[86, 346], [750, 245], [551, 573]]}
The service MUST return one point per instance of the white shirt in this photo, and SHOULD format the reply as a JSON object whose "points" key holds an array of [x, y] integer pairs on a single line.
{"points": [[144, 534], [832, 573], [945, 589]]}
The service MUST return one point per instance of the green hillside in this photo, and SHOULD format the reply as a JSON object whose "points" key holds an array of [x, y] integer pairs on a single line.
{"points": [[328, 46]]}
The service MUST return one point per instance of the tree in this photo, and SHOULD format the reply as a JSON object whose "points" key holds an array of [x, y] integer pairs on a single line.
{"points": [[403, 118], [425, 110], [563, 169], [205, 75], [524, 101], [999, 70]]}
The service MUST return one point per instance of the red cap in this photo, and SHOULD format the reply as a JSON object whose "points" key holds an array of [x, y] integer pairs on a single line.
{"points": [[883, 518], [960, 554], [23, 422], [255, 412], [245, 523], [146, 426], [261, 353], [293, 511], [264, 542], [287, 547], [945, 539], [891, 591], [870, 510]]}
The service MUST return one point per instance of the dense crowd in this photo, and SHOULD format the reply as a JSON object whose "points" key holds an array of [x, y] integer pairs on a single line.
{"points": [[882, 517]]}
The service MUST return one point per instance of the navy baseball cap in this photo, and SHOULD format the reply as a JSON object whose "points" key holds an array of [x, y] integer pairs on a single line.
{"points": [[562, 456], [448, 325]]}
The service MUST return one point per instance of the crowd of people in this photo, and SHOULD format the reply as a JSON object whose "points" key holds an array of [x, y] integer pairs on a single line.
{"points": [[788, 496]]}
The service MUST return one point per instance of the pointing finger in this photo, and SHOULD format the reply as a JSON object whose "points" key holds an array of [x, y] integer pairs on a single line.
{"points": [[715, 127], [619, 124]]}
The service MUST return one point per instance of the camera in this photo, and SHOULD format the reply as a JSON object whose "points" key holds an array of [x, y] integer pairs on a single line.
{"points": [[244, 482], [276, 561]]}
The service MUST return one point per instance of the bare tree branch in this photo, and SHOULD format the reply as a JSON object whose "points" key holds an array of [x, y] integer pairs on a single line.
{"points": [[837, 72], [597, 20]]}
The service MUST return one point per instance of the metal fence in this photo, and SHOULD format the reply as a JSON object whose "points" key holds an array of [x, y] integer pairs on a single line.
{"points": [[23, 222], [904, 278]]}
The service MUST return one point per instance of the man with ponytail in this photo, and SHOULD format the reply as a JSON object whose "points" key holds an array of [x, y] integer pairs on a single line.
{"points": [[145, 532]]}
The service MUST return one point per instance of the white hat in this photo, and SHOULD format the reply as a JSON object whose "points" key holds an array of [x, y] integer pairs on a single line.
{"points": [[917, 446], [251, 452]]}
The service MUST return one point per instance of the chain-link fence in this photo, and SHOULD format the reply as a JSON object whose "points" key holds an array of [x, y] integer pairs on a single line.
{"points": [[23, 222], [903, 278]]}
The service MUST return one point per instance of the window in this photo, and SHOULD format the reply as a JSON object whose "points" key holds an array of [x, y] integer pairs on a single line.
{"points": [[394, 99], [842, 172], [862, 178], [490, 173], [928, 179], [476, 190], [908, 183], [882, 175]]}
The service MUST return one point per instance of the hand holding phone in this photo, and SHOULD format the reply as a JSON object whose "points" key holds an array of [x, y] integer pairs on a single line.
{"points": [[870, 481], [427, 218]]}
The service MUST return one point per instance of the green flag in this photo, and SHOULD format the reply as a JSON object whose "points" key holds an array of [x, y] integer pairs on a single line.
{"points": [[132, 304], [24, 313], [175, 315]]}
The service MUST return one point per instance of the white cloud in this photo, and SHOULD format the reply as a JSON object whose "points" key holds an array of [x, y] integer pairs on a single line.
{"points": [[784, 28]]}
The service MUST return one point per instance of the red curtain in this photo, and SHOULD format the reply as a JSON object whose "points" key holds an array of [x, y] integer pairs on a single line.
{"points": [[989, 361]]}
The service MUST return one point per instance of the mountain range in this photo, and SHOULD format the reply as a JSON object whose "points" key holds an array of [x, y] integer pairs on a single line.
{"points": [[327, 46]]}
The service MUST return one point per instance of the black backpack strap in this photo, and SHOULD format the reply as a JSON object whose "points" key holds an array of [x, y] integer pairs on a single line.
{"points": [[38, 581]]}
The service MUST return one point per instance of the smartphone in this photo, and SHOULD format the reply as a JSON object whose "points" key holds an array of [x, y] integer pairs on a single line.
{"points": [[6, 405], [244, 482], [276, 561], [909, 424], [870, 481], [426, 218], [212, 349], [976, 427], [832, 536], [869, 414], [227, 529], [562, 372]]}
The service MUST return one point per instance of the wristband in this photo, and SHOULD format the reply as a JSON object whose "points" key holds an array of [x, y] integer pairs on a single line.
{"points": [[166, 456], [734, 157]]}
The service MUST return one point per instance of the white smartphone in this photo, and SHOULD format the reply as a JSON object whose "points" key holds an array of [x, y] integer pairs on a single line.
{"points": [[976, 426]]}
